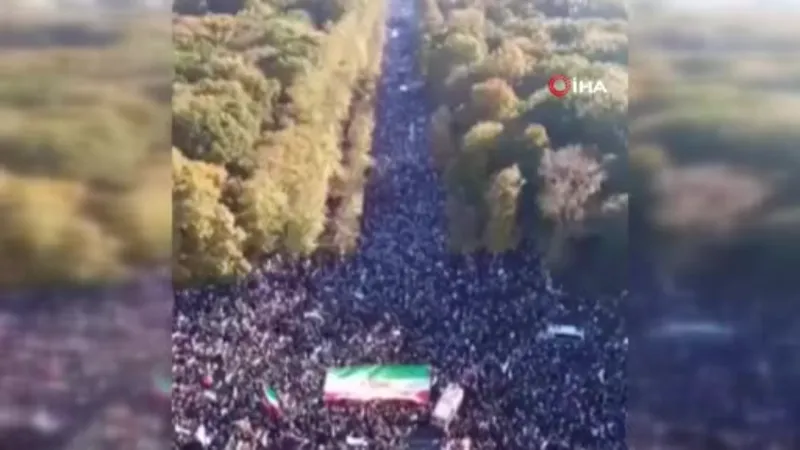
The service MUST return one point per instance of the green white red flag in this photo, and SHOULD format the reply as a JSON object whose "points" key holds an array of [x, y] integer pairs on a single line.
{"points": [[405, 383], [271, 399]]}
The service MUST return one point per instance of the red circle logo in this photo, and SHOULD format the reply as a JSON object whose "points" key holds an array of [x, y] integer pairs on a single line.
{"points": [[559, 85]]}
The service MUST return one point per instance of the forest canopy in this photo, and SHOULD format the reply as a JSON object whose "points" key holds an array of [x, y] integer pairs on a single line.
{"points": [[267, 92]]}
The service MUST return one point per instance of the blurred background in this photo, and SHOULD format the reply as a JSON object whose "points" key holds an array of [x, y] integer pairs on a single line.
{"points": [[714, 224], [85, 232]]}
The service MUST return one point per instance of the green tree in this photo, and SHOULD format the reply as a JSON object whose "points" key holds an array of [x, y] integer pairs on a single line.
{"points": [[214, 122]]}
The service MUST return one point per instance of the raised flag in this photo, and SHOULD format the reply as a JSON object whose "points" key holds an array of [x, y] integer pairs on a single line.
{"points": [[410, 383], [271, 399]]}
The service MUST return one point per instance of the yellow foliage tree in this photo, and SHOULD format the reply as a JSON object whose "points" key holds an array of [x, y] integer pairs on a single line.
{"points": [[502, 200], [264, 211], [207, 244], [478, 145], [494, 99]]}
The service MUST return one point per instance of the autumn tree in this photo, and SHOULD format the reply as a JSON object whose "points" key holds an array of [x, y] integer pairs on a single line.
{"points": [[207, 243], [572, 183], [710, 200], [502, 200], [508, 62], [213, 122], [469, 21], [477, 149], [493, 99], [450, 51]]}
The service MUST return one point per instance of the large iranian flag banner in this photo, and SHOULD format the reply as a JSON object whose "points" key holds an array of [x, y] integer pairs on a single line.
{"points": [[373, 383]]}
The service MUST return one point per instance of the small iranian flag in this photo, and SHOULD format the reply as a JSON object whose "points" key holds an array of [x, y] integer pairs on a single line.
{"points": [[411, 383], [271, 399]]}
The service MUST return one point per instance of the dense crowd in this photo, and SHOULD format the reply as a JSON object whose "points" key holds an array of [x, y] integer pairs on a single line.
{"points": [[402, 298]]}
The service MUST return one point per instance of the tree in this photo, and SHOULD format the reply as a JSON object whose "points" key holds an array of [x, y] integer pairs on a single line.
{"points": [[536, 134], [711, 200], [264, 213], [294, 154], [477, 148], [507, 62], [493, 99], [455, 50], [61, 143], [522, 149], [213, 122], [571, 183], [502, 198], [469, 21], [231, 67], [207, 243]]}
